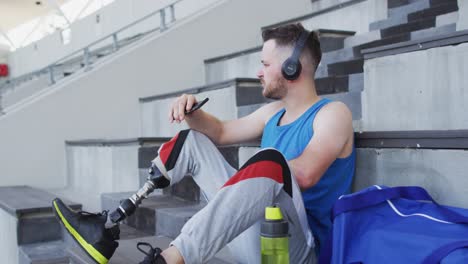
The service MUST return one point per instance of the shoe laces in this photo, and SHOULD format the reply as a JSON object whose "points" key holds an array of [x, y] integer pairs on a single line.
{"points": [[86, 213], [150, 254]]}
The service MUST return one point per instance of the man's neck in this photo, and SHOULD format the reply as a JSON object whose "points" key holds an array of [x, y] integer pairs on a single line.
{"points": [[298, 101]]}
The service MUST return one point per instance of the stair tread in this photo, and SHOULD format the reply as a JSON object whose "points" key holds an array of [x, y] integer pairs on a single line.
{"points": [[145, 217], [19, 200], [346, 67], [44, 252], [384, 42], [433, 11], [409, 27]]}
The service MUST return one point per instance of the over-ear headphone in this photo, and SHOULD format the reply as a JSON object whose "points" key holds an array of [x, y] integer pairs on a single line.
{"points": [[291, 68]]}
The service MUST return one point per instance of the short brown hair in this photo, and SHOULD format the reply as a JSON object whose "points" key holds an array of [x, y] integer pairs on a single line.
{"points": [[288, 35]]}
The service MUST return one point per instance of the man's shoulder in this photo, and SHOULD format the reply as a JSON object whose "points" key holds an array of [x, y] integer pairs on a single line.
{"points": [[268, 110], [334, 111]]}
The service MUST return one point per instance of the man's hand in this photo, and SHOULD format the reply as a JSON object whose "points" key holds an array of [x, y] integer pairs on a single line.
{"points": [[180, 105]]}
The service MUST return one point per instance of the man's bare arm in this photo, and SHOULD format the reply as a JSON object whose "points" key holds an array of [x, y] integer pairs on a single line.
{"points": [[220, 132], [333, 136]]}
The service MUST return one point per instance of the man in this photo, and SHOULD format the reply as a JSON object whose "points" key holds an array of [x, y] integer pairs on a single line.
{"points": [[306, 162]]}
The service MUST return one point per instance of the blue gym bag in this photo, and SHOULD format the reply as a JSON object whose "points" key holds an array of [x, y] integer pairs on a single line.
{"points": [[396, 225]]}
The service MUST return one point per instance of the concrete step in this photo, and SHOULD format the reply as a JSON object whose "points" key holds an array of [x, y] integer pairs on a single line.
{"points": [[346, 67], [395, 20], [53, 252], [147, 217], [447, 19], [229, 100], [26, 218], [363, 38], [409, 27], [119, 165], [411, 7], [246, 63], [122, 166], [332, 84], [383, 42], [225, 99], [331, 40], [32, 208], [340, 84], [440, 171], [433, 11], [415, 11], [438, 2], [340, 55], [425, 33], [396, 3]]}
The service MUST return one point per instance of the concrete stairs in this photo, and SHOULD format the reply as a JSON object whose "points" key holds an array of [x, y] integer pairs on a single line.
{"points": [[229, 99], [37, 237], [341, 70], [159, 218], [31, 234]]}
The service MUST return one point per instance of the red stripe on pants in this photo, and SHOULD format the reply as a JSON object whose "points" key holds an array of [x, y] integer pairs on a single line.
{"points": [[261, 169], [167, 148]]}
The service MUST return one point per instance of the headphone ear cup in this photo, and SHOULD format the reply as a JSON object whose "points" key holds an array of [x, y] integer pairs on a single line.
{"points": [[291, 69]]}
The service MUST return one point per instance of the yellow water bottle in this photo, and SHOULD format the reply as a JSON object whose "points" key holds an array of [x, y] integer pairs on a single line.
{"points": [[274, 237]]}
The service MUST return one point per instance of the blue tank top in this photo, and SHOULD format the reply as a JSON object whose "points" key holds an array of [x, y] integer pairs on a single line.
{"points": [[291, 140]]}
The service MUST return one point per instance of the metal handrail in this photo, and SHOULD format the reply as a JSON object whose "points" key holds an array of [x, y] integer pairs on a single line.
{"points": [[86, 50]]}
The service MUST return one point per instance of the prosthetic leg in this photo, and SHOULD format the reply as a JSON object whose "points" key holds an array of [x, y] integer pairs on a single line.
{"points": [[128, 206], [89, 229]]}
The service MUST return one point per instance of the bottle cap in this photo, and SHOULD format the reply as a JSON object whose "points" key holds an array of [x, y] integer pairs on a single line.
{"points": [[274, 225], [273, 213]]}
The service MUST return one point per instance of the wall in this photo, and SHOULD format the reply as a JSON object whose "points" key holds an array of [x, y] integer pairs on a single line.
{"points": [[423, 90], [355, 17], [85, 31], [8, 239], [462, 15], [97, 169], [441, 172], [103, 103]]}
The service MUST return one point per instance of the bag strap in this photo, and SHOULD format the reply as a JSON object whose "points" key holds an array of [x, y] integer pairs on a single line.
{"points": [[443, 251], [377, 196]]}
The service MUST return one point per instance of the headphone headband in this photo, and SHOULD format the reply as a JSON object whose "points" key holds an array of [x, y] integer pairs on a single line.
{"points": [[300, 43], [291, 68]]}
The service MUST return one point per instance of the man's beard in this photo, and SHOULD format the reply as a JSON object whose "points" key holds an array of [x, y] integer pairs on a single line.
{"points": [[275, 90]]}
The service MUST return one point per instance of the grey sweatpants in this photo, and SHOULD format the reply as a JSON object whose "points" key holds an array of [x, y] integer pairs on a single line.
{"points": [[237, 200]]}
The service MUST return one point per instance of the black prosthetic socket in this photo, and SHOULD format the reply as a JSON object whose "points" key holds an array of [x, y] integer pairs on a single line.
{"points": [[128, 206]]}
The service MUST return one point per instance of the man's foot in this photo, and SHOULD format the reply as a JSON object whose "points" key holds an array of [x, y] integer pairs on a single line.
{"points": [[153, 255], [89, 231]]}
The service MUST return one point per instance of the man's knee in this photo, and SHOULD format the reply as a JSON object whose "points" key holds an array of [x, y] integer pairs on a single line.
{"points": [[266, 163], [268, 154]]}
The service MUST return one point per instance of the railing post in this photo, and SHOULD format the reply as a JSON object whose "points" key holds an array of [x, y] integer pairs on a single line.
{"points": [[162, 14], [115, 43], [86, 58], [171, 7], [51, 75]]}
